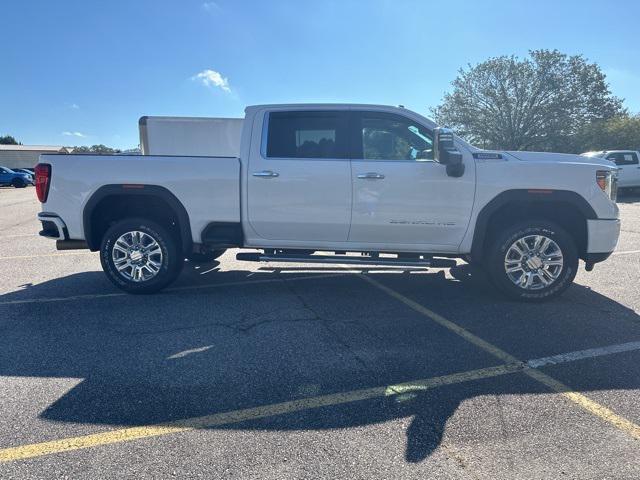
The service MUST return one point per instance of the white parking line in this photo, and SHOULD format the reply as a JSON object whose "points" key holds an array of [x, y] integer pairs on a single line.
{"points": [[23, 257], [19, 235], [626, 252], [174, 289], [582, 354]]}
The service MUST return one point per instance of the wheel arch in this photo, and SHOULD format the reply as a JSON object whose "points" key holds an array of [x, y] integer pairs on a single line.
{"points": [[569, 209], [135, 196]]}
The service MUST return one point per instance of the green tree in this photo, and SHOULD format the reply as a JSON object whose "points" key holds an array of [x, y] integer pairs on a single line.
{"points": [[8, 140], [97, 149], [535, 103], [618, 133]]}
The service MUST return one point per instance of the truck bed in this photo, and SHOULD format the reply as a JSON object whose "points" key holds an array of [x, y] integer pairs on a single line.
{"points": [[208, 187]]}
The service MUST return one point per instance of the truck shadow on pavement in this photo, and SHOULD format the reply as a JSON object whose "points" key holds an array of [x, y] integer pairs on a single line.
{"points": [[198, 351]]}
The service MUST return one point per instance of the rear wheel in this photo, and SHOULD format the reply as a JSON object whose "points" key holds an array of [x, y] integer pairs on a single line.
{"points": [[533, 261], [140, 256]]}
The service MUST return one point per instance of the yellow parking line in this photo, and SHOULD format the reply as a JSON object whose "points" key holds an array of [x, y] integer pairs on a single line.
{"points": [[579, 399], [466, 334], [511, 365], [134, 433], [585, 402]]}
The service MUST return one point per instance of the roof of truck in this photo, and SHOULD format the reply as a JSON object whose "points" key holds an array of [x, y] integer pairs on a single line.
{"points": [[324, 105], [342, 106]]}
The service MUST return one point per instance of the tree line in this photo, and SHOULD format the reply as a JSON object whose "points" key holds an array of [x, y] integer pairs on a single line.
{"points": [[548, 101]]}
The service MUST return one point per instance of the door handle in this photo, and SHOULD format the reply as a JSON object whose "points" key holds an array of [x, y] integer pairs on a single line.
{"points": [[266, 174], [371, 176]]}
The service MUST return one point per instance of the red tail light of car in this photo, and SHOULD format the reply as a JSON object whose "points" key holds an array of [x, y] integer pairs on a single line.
{"points": [[43, 180]]}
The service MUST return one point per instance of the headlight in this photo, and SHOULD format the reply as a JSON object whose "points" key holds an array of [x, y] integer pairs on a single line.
{"points": [[607, 180]]}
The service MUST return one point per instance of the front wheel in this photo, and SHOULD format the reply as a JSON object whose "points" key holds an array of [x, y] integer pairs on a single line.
{"points": [[18, 183], [140, 256], [533, 261]]}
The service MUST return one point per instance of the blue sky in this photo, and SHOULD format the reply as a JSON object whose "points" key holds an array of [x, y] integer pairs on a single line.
{"points": [[83, 72]]}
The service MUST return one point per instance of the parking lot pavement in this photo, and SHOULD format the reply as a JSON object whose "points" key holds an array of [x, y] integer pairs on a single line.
{"points": [[245, 370]]}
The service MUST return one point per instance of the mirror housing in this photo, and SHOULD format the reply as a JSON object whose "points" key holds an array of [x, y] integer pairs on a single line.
{"points": [[446, 153]]}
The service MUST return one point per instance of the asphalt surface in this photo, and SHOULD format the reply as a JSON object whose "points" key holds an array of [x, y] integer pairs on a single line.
{"points": [[303, 343]]}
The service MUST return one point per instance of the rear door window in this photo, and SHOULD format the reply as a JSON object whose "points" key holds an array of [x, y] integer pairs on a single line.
{"points": [[313, 134]]}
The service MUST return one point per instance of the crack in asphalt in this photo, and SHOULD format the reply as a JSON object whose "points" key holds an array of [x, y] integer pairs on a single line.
{"points": [[504, 432], [336, 337], [238, 326]]}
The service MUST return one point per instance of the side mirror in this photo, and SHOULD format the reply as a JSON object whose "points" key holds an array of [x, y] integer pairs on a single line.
{"points": [[446, 153]]}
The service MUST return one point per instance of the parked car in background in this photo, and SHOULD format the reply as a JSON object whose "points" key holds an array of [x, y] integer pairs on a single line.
{"points": [[26, 171], [16, 179], [628, 165]]}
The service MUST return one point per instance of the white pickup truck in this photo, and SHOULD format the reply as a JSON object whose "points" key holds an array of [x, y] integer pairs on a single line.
{"points": [[628, 162], [345, 184]]}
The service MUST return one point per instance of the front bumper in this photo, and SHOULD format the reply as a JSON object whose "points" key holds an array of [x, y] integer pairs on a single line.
{"points": [[602, 238], [602, 235]]}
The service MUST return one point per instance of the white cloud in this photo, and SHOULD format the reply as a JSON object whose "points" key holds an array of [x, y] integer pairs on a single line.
{"points": [[75, 106], [211, 6], [211, 78], [73, 134]]}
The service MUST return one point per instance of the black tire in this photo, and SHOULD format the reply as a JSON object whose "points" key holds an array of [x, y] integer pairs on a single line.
{"points": [[18, 183], [501, 243], [206, 257], [171, 261]]}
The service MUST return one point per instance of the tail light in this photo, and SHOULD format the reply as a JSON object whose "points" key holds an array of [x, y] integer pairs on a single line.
{"points": [[43, 180]]}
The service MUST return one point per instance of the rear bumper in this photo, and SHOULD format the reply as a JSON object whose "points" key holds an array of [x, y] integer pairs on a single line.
{"points": [[53, 226], [602, 238]]}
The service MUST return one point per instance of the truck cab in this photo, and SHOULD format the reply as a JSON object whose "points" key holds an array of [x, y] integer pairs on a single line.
{"points": [[348, 176]]}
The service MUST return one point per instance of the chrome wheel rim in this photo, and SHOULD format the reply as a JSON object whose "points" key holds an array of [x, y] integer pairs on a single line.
{"points": [[533, 262], [137, 256]]}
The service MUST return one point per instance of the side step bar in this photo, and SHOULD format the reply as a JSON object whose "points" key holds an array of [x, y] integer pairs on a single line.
{"points": [[348, 260]]}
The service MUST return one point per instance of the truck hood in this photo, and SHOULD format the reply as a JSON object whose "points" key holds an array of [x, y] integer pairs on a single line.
{"points": [[560, 158]]}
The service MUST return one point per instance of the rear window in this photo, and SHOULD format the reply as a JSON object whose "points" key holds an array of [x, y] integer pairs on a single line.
{"points": [[307, 135]]}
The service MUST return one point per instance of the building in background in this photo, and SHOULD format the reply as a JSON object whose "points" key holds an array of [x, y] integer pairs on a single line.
{"points": [[26, 156]]}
